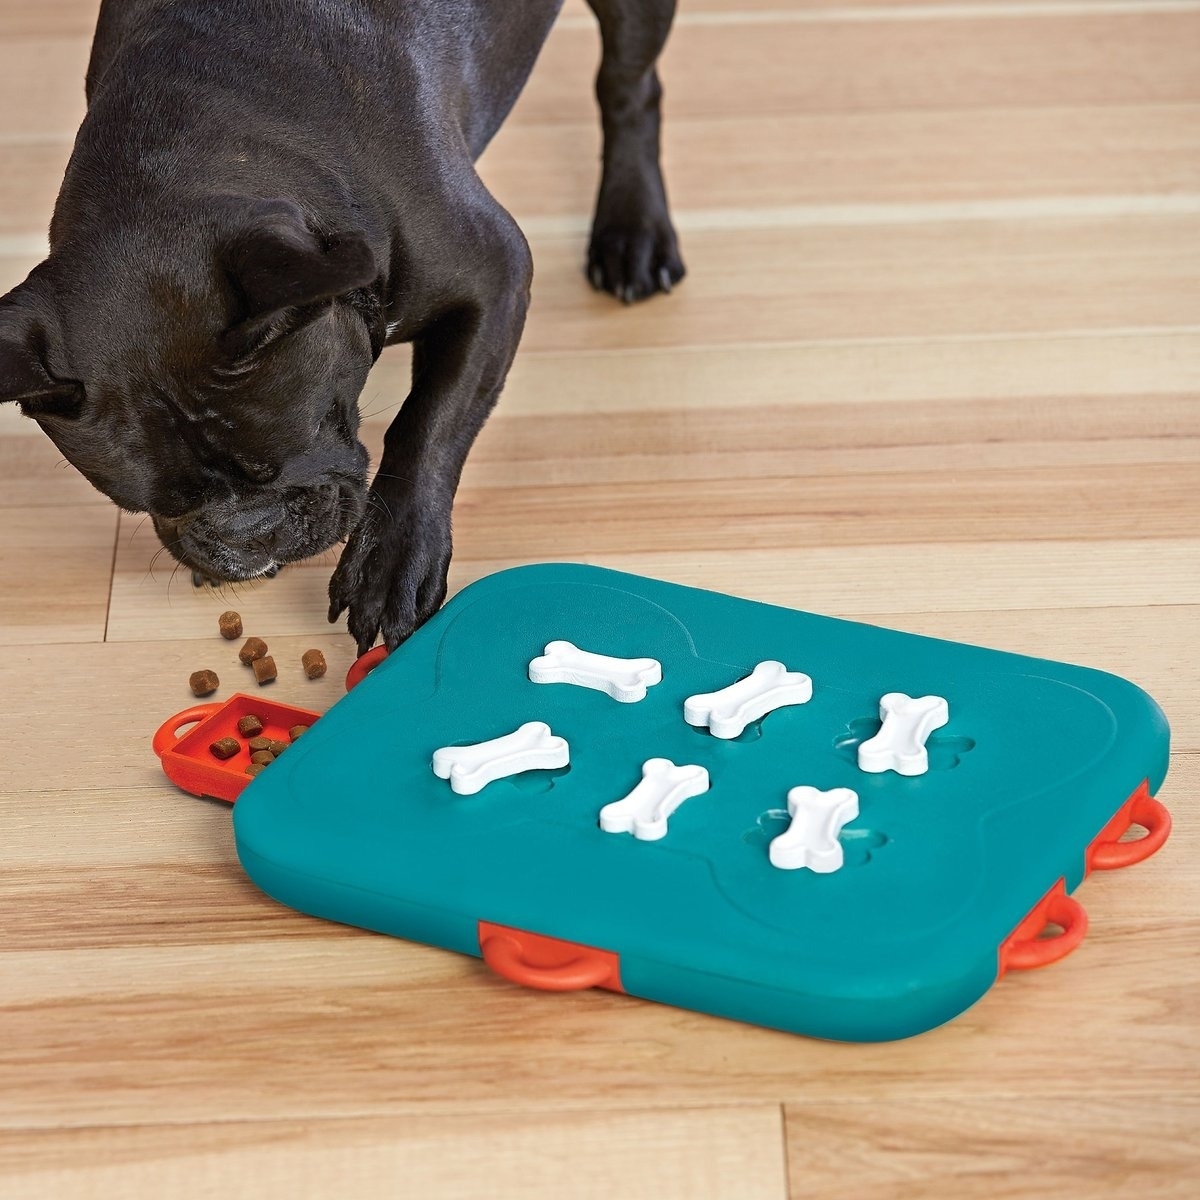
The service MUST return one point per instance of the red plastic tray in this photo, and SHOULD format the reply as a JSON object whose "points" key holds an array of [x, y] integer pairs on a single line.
{"points": [[187, 759]]}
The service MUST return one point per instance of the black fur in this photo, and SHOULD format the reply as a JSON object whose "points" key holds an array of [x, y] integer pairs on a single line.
{"points": [[262, 195]]}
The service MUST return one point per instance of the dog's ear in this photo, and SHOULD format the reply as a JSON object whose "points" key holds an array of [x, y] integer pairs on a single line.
{"points": [[278, 267], [24, 374]]}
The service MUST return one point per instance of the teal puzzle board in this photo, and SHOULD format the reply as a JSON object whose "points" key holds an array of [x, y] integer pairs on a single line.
{"points": [[939, 869]]}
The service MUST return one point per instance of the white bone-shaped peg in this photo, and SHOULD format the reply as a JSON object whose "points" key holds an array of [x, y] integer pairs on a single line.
{"points": [[663, 788], [900, 743], [531, 747], [768, 687], [811, 840], [624, 679]]}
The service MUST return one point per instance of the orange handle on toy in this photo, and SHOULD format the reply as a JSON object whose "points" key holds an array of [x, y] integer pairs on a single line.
{"points": [[1111, 852], [534, 960], [167, 733], [364, 664], [1025, 949]]}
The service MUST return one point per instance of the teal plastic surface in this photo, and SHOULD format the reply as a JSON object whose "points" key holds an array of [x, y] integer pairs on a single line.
{"points": [[352, 825]]}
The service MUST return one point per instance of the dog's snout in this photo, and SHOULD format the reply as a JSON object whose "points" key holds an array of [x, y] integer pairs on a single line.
{"points": [[250, 523]]}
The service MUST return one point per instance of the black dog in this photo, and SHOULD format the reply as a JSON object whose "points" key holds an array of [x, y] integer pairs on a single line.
{"points": [[264, 194]]}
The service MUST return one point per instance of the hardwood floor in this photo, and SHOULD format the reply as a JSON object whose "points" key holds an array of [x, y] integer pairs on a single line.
{"points": [[936, 363]]}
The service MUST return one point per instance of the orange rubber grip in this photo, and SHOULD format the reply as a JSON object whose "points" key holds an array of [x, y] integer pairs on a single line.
{"points": [[363, 665], [1108, 852], [1025, 949], [167, 733], [550, 964]]}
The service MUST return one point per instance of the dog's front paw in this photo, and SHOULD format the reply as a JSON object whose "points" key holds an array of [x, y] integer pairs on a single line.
{"points": [[632, 256], [392, 573]]}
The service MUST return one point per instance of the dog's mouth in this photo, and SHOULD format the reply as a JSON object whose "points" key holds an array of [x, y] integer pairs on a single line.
{"points": [[246, 538]]}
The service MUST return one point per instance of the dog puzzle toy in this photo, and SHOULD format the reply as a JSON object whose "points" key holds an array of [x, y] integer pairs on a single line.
{"points": [[798, 891]]}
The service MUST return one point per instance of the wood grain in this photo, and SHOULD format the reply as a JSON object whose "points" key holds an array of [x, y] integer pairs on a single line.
{"points": [[936, 366]]}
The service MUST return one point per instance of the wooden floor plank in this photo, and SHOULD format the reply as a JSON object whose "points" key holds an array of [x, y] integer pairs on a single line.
{"points": [[785, 67], [1010, 1149], [944, 278], [56, 570], [687, 1154], [550, 170]]}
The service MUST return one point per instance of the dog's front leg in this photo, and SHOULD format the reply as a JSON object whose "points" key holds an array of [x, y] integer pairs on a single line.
{"points": [[392, 574]]}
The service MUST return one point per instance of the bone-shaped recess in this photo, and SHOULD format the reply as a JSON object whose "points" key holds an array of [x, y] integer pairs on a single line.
{"points": [[811, 840], [768, 687], [900, 743], [531, 747], [645, 811], [624, 679]]}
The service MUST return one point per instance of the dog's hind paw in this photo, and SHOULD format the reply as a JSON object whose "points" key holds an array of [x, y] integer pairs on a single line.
{"points": [[636, 260]]}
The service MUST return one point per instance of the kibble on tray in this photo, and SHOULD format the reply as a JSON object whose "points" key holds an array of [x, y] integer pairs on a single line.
{"points": [[296, 731], [203, 683], [225, 747], [254, 768], [250, 725], [230, 624], [262, 756]]}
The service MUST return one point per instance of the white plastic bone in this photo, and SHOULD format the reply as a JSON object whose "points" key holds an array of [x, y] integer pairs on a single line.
{"points": [[900, 743], [811, 840], [532, 747], [768, 687], [645, 811], [624, 679]]}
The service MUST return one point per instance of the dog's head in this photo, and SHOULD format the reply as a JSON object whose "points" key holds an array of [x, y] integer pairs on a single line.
{"points": [[208, 375]]}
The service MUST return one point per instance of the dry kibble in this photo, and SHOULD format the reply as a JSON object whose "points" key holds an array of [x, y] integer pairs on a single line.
{"points": [[249, 725], [277, 748], [296, 731], [264, 670], [203, 683], [254, 649], [314, 664], [259, 743], [254, 768], [225, 747], [262, 757], [230, 624]]}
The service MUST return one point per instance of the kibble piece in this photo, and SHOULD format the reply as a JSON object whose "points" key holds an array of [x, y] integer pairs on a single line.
{"points": [[296, 731], [314, 664], [230, 625], [225, 747], [259, 743], [262, 757], [254, 768], [204, 683], [254, 649], [264, 670], [249, 725], [277, 748]]}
